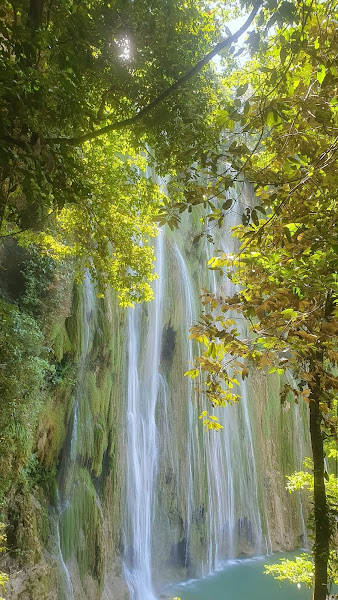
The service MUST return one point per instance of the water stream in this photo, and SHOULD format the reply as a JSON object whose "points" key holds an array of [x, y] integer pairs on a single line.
{"points": [[142, 397], [194, 498], [67, 480], [193, 450]]}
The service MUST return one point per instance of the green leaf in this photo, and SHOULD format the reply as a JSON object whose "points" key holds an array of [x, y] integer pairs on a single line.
{"points": [[245, 219], [227, 204], [287, 233], [192, 373], [321, 74], [287, 11], [270, 119], [246, 107], [242, 89], [289, 312], [253, 41], [283, 54], [254, 217]]}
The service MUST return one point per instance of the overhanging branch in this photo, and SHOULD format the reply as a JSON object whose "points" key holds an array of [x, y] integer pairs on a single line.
{"points": [[77, 141]]}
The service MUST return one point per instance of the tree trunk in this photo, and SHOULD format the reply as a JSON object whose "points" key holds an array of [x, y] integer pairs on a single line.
{"points": [[35, 13], [3, 200], [321, 517]]}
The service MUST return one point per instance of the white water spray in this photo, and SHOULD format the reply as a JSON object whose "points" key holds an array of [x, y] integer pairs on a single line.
{"points": [[142, 443]]}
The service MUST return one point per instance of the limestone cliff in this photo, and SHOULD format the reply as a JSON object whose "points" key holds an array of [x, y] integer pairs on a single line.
{"points": [[72, 503]]}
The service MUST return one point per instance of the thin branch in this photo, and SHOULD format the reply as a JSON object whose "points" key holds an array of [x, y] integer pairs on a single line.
{"points": [[166, 93], [45, 218], [49, 9], [15, 142]]}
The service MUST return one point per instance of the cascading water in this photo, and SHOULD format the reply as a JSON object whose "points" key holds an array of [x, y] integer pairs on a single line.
{"points": [[193, 450], [69, 585], [67, 480], [231, 465], [195, 498], [221, 501], [143, 391], [300, 452]]}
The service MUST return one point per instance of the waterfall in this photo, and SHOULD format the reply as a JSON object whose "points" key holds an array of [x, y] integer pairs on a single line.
{"points": [[193, 457], [195, 498], [142, 397], [67, 479], [69, 585], [300, 452], [221, 500], [231, 466]]}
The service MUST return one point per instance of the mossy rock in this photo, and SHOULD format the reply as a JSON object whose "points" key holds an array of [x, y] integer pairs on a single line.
{"points": [[100, 446], [51, 432], [81, 528], [28, 526], [60, 341], [73, 323], [94, 395]]}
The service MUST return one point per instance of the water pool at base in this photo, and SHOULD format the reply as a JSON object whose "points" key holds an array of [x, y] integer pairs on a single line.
{"points": [[240, 580]]}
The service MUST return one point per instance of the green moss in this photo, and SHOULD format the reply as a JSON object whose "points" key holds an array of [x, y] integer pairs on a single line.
{"points": [[60, 341], [100, 445], [73, 323], [52, 430], [103, 331], [81, 528], [94, 395], [105, 385], [94, 413], [28, 518], [94, 380]]}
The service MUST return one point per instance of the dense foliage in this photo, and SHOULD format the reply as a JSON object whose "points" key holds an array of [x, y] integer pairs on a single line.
{"points": [[301, 570], [3, 576], [71, 72], [22, 377], [286, 267]]}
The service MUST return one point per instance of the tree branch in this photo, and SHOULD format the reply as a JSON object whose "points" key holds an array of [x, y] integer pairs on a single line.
{"points": [[15, 142], [172, 88]]}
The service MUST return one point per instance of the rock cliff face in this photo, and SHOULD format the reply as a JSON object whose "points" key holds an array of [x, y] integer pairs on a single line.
{"points": [[213, 494], [64, 510], [121, 486]]}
